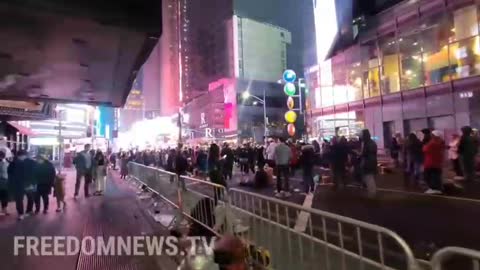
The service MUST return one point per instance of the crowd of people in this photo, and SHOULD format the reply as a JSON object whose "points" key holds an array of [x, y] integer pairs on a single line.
{"points": [[428, 154], [278, 158], [34, 179]]}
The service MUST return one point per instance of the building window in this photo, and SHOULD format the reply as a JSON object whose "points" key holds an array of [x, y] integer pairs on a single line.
{"points": [[411, 59], [390, 74], [282, 34], [436, 34], [353, 69], [371, 70]]}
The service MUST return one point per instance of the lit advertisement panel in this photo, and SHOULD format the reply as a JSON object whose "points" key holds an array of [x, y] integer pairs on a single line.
{"points": [[326, 26]]}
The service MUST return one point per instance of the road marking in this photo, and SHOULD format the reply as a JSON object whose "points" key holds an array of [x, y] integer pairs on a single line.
{"points": [[303, 217], [446, 197]]}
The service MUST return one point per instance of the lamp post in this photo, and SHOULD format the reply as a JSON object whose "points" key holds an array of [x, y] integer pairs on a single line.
{"points": [[247, 95]]}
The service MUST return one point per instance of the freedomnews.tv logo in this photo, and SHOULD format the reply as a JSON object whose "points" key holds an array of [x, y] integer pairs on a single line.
{"points": [[111, 246]]}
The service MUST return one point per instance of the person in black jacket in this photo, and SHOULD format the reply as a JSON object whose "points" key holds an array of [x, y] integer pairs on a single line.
{"points": [[307, 162], [21, 182], [45, 174]]}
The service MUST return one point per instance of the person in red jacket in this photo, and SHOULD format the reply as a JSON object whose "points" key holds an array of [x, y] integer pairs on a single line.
{"points": [[434, 154]]}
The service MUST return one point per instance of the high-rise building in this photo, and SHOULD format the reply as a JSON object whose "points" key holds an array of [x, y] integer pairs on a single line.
{"points": [[260, 49], [412, 66]]}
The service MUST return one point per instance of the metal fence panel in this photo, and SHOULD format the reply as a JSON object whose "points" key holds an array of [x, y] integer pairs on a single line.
{"points": [[456, 258], [328, 241]]}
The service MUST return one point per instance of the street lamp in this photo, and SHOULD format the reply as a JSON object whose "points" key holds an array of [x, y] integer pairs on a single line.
{"points": [[247, 95]]}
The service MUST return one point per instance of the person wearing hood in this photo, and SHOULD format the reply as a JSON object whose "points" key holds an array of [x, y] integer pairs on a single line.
{"points": [[368, 162], [467, 150], [21, 181], [434, 152]]}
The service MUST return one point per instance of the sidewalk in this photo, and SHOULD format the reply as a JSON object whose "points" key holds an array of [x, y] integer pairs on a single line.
{"points": [[118, 213]]}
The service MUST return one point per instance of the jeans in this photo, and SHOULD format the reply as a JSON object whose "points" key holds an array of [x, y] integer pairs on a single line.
{"points": [[433, 177], [308, 181], [87, 178], [414, 171], [41, 196], [283, 171], [369, 180], [339, 175], [457, 168], [19, 195], [468, 165], [4, 198]]}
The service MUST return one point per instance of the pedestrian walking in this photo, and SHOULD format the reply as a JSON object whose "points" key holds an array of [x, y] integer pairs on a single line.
{"points": [[100, 173], [45, 176], [4, 194], [21, 182], [229, 157], [414, 159], [338, 161], [454, 157], [123, 166], [84, 166], [215, 170], [282, 157], [59, 192], [368, 162], [433, 163], [307, 162], [467, 150]]}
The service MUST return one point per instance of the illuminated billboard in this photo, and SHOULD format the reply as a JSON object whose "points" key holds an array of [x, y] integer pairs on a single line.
{"points": [[326, 26]]}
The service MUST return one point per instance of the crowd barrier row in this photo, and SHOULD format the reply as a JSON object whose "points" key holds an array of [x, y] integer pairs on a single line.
{"points": [[282, 235]]}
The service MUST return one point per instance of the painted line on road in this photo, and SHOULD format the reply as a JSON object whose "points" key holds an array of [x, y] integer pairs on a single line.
{"points": [[446, 197], [303, 217]]}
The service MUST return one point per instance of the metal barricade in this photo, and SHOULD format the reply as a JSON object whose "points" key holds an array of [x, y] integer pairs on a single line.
{"points": [[284, 235], [165, 197], [199, 201], [456, 258], [206, 204]]}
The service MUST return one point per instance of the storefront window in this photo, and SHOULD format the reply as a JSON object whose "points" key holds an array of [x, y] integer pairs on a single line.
{"points": [[411, 75], [465, 23], [390, 75], [371, 70], [436, 34], [339, 80], [353, 70], [326, 83], [465, 58]]}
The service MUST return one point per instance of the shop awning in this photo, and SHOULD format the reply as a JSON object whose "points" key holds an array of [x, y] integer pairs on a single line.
{"points": [[21, 129]]}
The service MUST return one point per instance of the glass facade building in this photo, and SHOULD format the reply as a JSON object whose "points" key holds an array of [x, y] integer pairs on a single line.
{"points": [[416, 67]]}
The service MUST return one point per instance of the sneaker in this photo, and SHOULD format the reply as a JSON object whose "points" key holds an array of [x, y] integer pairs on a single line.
{"points": [[279, 194], [45, 211], [429, 191], [287, 194], [58, 210], [21, 217], [437, 192]]}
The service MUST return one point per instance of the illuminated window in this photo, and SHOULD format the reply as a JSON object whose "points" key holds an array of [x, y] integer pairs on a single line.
{"points": [[390, 75]]}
